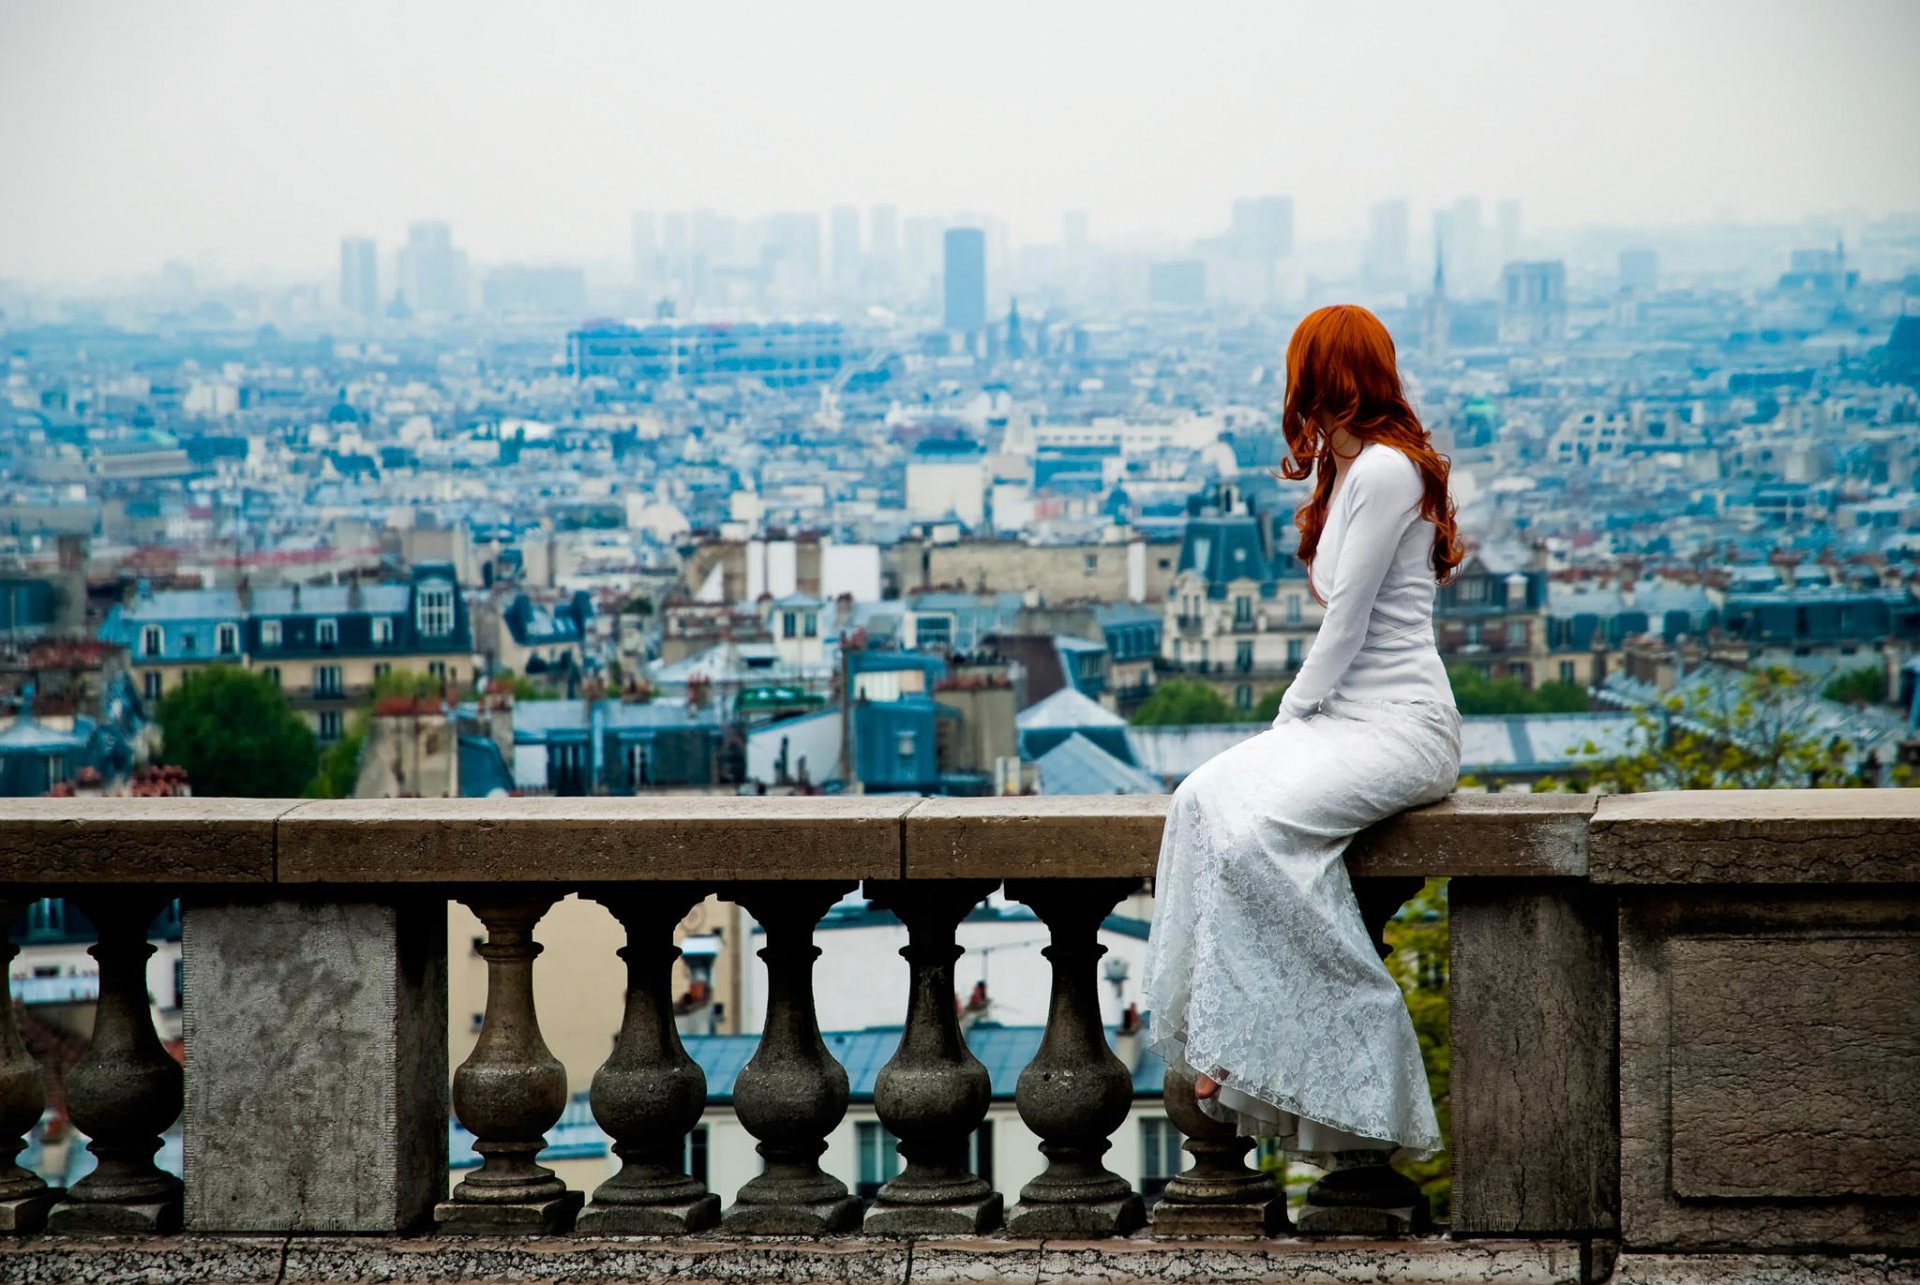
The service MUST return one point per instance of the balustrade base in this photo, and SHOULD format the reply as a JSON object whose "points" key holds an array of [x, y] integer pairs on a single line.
{"points": [[951, 1218], [1120, 1216], [1221, 1218], [90, 1218], [515, 1218], [23, 1215], [817, 1218], [1355, 1220], [668, 1218]]}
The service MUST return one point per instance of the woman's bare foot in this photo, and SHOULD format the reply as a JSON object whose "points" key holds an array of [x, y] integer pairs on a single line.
{"points": [[1205, 1086]]}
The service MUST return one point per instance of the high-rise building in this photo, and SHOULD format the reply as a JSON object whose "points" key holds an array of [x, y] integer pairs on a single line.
{"points": [[964, 279], [433, 273], [646, 247], [1507, 219], [1533, 303], [1640, 271], [1436, 331], [1262, 229], [1385, 263], [359, 275], [845, 232]]}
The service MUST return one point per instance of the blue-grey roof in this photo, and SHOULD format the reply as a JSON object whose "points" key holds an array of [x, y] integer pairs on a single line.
{"points": [[1078, 766], [1064, 709]]}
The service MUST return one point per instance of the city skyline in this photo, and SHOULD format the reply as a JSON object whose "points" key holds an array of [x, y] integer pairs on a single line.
{"points": [[154, 138]]}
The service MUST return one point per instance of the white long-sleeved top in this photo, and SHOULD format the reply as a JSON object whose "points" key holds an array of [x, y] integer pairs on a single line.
{"points": [[1374, 568]]}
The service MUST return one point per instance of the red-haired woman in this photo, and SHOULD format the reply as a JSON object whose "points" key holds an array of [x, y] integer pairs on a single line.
{"points": [[1261, 982]]}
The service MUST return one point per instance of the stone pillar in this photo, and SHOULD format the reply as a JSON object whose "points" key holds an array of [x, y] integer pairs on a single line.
{"points": [[649, 1095], [24, 1198], [934, 1092], [792, 1093], [511, 1090], [316, 1064], [1362, 1194], [125, 1090], [1075, 1092], [1220, 1195]]}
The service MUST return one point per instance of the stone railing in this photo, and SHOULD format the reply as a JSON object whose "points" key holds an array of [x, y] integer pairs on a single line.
{"points": [[1686, 1029]]}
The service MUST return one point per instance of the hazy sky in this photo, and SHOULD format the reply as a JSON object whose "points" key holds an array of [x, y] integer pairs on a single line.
{"points": [[262, 132]]}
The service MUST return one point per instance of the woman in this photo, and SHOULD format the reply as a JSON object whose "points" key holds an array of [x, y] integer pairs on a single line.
{"points": [[1261, 982]]}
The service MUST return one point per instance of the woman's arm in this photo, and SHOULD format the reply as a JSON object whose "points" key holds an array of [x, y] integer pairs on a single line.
{"points": [[1385, 497]]}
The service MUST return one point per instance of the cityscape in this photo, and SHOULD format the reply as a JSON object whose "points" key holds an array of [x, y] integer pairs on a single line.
{"points": [[868, 498]]}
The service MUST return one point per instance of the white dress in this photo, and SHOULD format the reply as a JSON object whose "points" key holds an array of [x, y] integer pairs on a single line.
{"points": [[1259, 969]]}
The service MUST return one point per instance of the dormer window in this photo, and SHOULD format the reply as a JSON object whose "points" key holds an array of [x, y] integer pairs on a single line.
{"points": [[226, 640], [269, 633], [382, 631], [327, 633], [433, 608], [152, 640]]}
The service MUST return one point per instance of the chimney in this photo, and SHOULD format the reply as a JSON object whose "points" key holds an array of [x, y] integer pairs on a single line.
{"points": [[354, 597], [243, 594]]}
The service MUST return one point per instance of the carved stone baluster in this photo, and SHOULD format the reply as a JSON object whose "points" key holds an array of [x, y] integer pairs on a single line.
{"points": [[1075, 1092], [511, 1090], [125, 1090], [792, 1093], [649, 1095], [24, 1198], [1220, 1195], [934, 1092], [1363, 1195]]}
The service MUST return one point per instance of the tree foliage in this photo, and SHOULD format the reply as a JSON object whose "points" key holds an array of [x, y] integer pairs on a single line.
{"points": [[1419, 936], [236, 736], [1751, 734], [1866, 685], [1475, 693], [1182, 702]]}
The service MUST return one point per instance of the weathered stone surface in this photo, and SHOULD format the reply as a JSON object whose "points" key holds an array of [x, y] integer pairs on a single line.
{"points": [[535, 1217], [155, 841], [565, 840], [1120, 1262], [139, 1260], [1757, 836], [1535, 1145], [1770, 1059], [1037, 836], [316, 1065], [1479, 834], [23, 1215], [1765, 1269]]}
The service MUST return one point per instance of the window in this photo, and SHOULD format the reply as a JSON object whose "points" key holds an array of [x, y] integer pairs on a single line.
{"points": [[1243, 696], [933, 631], [789, 624], [326, 680], [187, 647], [330, 724], [152, 640], [639, 769], [151, 685], [226, 640], [1474, 591], [1294, 649], [879, 1157], [381, 669], [567, 769], [1566, 672], [327, 632], [696, 1158], [433, 608], [1293, 608], [1243, 610], [1516, 633], [1090, 564], [1159, 1154], [437, 669], [383, 631], [810, 624], [269, 633], [1243, 657], [1473, 633], [47, 917], [272, 674]]}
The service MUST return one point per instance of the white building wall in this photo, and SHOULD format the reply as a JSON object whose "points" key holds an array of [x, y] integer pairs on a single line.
{"points": [[937, 490]]}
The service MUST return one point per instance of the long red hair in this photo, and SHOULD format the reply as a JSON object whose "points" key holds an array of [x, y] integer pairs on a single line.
{"points": [[1341, 368]]}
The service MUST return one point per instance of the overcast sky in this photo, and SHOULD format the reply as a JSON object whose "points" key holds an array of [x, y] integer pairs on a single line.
{"points": [[262, 132]]}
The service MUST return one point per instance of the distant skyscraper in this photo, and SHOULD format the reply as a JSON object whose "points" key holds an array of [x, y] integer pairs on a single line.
{"points": [[1640, 271], [1385, 263], [646, 246], [846, 243], [1262, 228], [1533, 303], [1507, 217], [433, 274], [359, 275], [964, 279], [1437, 324]]}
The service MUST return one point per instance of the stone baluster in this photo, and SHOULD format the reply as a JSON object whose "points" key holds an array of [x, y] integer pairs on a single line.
{"points": [[1075, 1092], [933, 1093], [125, 1090], [511, 1090], [1220, 1195], [24, 1197], [1362, 1194], [649, 1095], [792, 1093]]}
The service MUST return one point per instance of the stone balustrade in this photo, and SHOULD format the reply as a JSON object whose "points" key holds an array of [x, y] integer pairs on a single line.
{"points": [[1686, 1031]]}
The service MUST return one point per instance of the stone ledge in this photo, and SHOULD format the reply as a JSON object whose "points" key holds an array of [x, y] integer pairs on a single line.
{"points": [[1035, 836], [584, 840], [1757, 836], [852, 1261], [139, 841], [1501, 835]]}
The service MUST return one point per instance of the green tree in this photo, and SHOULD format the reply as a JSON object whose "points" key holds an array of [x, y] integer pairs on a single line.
{"points": [[236, 736], [340, 765], [1268, 707], [1183, 701], [1866, 685], [1749, 734], [1475, 693], [1419, 936]]}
